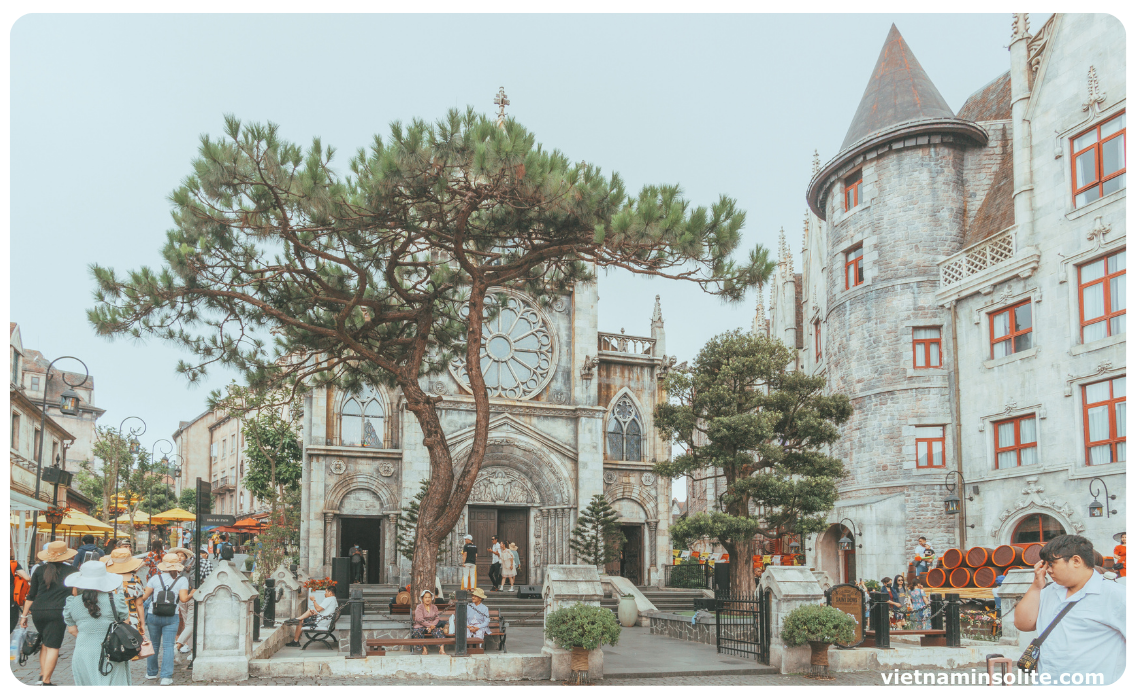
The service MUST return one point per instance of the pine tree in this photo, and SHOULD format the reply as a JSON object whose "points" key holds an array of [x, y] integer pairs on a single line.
{"points": [[597, 538], [406, 526]]}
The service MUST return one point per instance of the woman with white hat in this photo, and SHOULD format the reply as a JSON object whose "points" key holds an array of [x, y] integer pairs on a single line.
{"points": [[122, 564], [164, 628], [49, 593], [88, 616]]}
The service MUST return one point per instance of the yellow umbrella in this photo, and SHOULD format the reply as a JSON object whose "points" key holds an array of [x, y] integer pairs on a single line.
{"points": [[174, 515], [140, 518], [75, 522]]}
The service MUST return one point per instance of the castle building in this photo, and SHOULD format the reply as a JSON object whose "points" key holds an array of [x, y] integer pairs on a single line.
{"points": [[962, 280], [571, 417]]}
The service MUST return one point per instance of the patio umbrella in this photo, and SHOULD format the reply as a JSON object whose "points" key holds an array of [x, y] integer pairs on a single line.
{"points": [[248, 524], [75, 522], [174, 515], [140, 518]]}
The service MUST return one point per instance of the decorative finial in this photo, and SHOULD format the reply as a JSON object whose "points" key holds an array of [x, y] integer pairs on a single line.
{"points": [[759, 323], [1020, 26], [815, 163], [657, 310], [1095, 97], [807, 222], [502, 102]]}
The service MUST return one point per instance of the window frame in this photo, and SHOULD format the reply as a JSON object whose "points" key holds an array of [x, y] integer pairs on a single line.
{"points": [[817, 327], [925, 343], [1013, 332], [1098, 145], [1106, 279], [625, 434], [35, 385], [1111, 403], [929, 442], [856, 278], [1040, 528], [853, 183], [14, 442], [1018, 446]]}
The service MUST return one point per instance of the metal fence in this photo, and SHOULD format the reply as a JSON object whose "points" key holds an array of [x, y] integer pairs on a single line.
{"points": [[690, 575], [744, 625]]}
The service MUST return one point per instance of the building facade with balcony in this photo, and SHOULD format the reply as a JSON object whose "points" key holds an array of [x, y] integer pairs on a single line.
{"points": [[962, 280]]}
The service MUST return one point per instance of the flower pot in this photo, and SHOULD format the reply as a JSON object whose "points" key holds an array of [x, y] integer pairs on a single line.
{"points": [[579, 665], [819, 669], [627, 611]]}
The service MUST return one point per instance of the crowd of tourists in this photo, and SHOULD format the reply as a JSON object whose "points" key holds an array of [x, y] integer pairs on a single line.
{"points": [[83, 592], [505, 563]]}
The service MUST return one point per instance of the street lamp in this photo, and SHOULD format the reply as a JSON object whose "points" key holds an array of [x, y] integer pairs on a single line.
{"points": [[845, 542], [69, 405], [1096, 509], [133, 449], [952, 503]]}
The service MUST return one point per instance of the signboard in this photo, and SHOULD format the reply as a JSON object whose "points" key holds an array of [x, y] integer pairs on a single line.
{"points": [[848, 598], [216, 519], [203, 495]]}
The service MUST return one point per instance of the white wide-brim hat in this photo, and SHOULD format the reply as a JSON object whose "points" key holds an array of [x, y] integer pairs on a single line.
{"points": [[93, 575]]}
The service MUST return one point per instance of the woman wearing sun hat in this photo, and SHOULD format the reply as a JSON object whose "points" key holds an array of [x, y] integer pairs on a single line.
{"points": [[163, 628], [121, 563], [48, 593], [88, 616], [186, 628]]}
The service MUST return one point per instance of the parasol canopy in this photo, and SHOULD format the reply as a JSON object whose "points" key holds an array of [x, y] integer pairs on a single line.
{"points": [[140, 518], [248, 524], [74, 522], [174, 515]]}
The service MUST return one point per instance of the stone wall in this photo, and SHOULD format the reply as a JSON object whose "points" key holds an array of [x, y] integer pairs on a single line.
{"points": [[683, 628]]}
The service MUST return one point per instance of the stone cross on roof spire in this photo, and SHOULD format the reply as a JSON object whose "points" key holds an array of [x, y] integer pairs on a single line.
{"points": [[502, 102], [815, 163], [657, 309]]}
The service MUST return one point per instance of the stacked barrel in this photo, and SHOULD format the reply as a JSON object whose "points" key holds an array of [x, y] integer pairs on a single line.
{"points": [[979, 567]]}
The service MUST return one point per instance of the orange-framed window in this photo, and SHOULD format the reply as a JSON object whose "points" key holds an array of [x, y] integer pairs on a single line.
{"points": [[1102, 297], [930, 446], [853, 267], [817, 328], [1105, 421], [1015, 442], [1036, 528], [852, 190], [927, 348], [1098, 161], [1011, 330]]}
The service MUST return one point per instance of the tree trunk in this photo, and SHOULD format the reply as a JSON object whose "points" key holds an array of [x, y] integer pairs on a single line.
{"points": [[741, 581]]}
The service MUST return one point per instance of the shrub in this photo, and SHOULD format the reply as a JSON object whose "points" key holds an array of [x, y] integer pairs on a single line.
{"points": [[873, 586], [582, 626], [817, 623]]}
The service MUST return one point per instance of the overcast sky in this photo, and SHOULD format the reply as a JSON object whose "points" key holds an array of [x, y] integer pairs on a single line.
{"points": [[106, 111]]}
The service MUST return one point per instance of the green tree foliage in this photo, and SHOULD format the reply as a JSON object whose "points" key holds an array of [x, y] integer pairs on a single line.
{"points": [[271, 427], [407, 523], [817, 623], [295, 274], [741, 416], [597, 538], [159, 497], [134, 475], [582, 626], [187, 501]]}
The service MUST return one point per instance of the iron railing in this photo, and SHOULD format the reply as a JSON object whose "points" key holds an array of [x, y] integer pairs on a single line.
{"points": [[691, 575], [744, 625]]}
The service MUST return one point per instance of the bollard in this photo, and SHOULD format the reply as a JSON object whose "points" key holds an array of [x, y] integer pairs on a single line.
{"points": [[270, 604], [256, 621], [881, 618], [953, 621], [460, 624], [356, 627], [936, 620]]}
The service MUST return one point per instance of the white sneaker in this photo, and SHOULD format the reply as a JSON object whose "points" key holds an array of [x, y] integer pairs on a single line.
{"points": [[184, 649], [165, 680], [152, 677]]}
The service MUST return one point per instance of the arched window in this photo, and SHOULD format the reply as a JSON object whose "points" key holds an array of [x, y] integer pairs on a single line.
{"points": [[1036, 528], [623, 436], [362, 420]]}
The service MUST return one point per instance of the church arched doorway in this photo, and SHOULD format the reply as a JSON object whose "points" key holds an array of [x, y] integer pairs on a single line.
{"points": [[839, 564]]}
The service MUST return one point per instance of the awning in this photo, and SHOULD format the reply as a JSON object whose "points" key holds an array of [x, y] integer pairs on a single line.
{"points": [[23, 502]]}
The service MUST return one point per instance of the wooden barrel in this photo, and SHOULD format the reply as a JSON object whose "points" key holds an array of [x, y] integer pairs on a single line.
{"points": [[977, 557], [935, 578], [960, 577], [1006, 555], [951, 558], [1032, 553], [985, 577], [1011, 568], [1108, 562]]}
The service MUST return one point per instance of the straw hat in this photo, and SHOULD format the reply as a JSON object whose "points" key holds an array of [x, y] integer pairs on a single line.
{"points": [[171, 562], [120, 561], [478, 593], [185, 553], [92, 575], [56, 551], [512, 546]]}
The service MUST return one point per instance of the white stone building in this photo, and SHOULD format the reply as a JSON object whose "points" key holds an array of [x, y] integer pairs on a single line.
{"points": [[962, 280]]}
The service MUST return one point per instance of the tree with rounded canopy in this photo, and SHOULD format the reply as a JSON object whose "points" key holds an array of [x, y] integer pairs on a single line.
{"points": [[741, 415], [298, 276]]}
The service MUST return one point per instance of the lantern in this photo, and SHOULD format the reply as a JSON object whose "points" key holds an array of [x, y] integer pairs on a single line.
{"points": [[1096, 509], [845, 543], [69, 402], [133, 447], [952, 503]]}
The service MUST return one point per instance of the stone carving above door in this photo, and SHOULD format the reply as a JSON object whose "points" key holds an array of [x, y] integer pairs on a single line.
{"points": [[361, 502], [386, 468], [1034, 501], [337, 467], [503, 486]]}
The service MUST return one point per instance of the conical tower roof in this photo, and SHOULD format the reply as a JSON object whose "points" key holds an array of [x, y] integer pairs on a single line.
{"points": [[899, 91]]}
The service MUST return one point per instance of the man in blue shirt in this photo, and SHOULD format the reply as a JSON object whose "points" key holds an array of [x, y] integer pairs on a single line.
{"points": [[1088, 644]]}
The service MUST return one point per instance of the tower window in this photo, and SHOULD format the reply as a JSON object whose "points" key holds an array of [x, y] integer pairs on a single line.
{"points": [[1104, 421], [623, 435], [1098, 161], [927, 348], [362, 420], [1102, 297], [930, 446], [1015, 442], [852, 191], [1011, 330], [853, 267]]}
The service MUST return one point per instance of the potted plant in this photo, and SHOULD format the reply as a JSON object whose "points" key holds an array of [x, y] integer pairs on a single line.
{"points": [[580, 629], [818, 626]]}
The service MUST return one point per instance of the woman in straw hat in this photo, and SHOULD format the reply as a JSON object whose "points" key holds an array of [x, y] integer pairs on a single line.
{"points": [[121, 563], [186, 630], [164, 628], [88, 616], [48, 593]]}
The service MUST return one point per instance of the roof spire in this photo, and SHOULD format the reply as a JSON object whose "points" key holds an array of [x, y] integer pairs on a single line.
{"points": [[502, 102], [815, 163], [657, 311], [759, 322], [899, 91]]}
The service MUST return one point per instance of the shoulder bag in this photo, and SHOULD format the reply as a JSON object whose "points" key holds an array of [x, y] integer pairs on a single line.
{"points": [[122, 643], [1028, 660]]}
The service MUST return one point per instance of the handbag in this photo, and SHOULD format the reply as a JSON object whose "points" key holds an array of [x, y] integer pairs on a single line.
{"points": [[30, 646], [1028, 660], [122, 643]]}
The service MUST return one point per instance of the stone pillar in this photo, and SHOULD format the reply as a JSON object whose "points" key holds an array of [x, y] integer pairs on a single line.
{"points": [[393, 557], [290, 604], [1013, 587], [225, 634], [652, 541], [564, 586], [330, 541], [791, 587], [1022, 134]]}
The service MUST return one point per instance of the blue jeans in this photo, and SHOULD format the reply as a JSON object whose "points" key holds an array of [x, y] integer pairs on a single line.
{"points": [[921, 568], [162, 630]]}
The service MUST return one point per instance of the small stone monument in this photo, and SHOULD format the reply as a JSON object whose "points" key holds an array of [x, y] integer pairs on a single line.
{"points": [[791, 587], [225, 629], [291, 601], [564, 585], [1013, 587]]}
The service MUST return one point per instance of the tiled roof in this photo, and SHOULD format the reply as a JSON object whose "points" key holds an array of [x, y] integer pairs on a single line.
{"points": [[991, 102], [899, 90], [996, 211]]}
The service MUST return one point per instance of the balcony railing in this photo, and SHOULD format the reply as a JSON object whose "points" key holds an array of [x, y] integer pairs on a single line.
{"points": [[223, 484], [978, 258], [625, 344]]}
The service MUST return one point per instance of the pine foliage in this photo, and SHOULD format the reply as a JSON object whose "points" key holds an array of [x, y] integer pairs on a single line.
{"points": [[597, 538], [406, 525]]}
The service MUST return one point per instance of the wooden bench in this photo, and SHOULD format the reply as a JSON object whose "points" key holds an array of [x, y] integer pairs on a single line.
{"points": [[327, 636], [474, 646], [927, 637]]}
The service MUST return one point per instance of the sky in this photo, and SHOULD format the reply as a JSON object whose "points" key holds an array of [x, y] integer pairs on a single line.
{"points": [[107, 110]]}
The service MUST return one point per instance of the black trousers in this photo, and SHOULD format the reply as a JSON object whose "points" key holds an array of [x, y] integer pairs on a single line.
{"points": [[496, 575], [358, 572]]}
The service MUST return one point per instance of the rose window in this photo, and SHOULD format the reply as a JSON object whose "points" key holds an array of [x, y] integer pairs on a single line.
{"points": [[517, 357]]}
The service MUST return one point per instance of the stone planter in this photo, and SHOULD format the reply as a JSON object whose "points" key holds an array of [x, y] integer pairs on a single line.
{"points": [[627, 611]]}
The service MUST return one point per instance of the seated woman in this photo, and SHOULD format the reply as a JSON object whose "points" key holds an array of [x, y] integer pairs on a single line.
{"points": [[426, 622]]}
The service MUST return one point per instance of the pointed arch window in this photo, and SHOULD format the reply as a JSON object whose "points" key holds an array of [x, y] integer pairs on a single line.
{"points": [[362, 420], [623, 435]]}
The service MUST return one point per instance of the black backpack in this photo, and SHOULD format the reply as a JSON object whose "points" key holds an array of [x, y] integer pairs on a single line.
{"points": [[30, 645], [122, 642], [227, 552], [87, 555], [165, 601]]}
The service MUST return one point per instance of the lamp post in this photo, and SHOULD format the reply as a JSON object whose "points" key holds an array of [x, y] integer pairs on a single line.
{"points": [[1097, 509], [68, 405], [59, 476], [165, 472], [953, 504], [132, 449], [845, 542]]}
